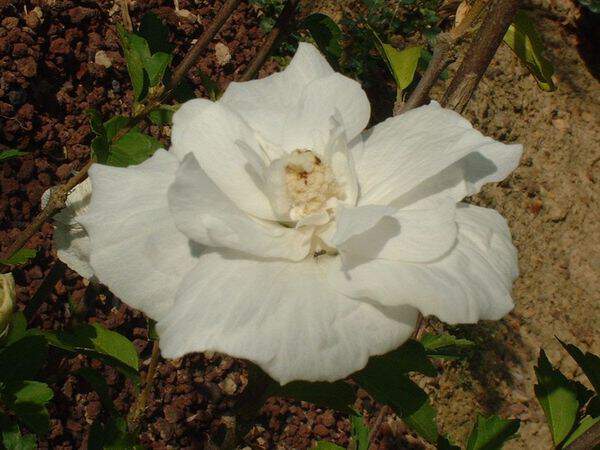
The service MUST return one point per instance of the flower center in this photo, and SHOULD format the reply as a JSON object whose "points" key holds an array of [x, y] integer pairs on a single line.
{"points": [[308, 184]]}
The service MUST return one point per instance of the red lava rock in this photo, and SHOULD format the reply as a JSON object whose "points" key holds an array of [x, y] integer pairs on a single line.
{"points": [[10, 22], [60, 46], [27, 66]]}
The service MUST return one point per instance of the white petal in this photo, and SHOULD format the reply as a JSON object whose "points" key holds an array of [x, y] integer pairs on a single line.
{"points": [[185, 116], [493, 162], [136, 249], [308, 124], [70, 239], [229, 153], [472, 282], [264, 103], [413, 235], [405, 150], [281, 315], [205, 214]]}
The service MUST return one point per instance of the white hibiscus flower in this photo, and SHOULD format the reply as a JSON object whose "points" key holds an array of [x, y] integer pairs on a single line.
{"points": [[277, 230]]}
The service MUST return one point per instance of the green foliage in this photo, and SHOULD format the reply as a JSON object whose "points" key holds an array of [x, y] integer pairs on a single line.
{"points": [[592, 5], [21, 256], [385, 19], [524, 40], [112, 435], [446, 346], [589, 363], [134, 147], [12, 439], [98, 342], [402, 64], [384, 378], [361, 435], [558, 398], [326, 34], [269, 11], [491, 433], [12, 153], [324, 445], [147, 55]]}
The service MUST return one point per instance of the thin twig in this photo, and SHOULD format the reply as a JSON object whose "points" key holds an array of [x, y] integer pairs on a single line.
{"points": [[590, 439], [59, 195], [281, 27], [138, 408], [480, 54], [443, 55], [126, 18], [375, 429]]}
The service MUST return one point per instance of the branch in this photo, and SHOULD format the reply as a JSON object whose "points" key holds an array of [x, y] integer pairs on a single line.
{"points": [[59, 195], [443, 55], [480, 54], [588, 440], [138, 408], [278, 30]]}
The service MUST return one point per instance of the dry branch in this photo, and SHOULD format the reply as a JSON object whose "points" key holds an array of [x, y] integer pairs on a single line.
{"points": [[480, 54], [443, 55]]}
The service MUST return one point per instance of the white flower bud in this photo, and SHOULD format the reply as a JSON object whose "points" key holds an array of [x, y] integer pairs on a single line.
{"points": [[7, 300]]}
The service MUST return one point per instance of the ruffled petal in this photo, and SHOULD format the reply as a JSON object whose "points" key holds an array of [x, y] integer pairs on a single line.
{"points": [[471, 282], [136, 250], [308, 124], [381, 232], [493, 162], [186, 116], [227, 150], [205, 214], [282, 316], [70, 239], [265, 103], [405, 150]]}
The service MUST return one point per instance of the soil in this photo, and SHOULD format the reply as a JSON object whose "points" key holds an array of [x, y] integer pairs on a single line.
{"points": [[50, 73]]}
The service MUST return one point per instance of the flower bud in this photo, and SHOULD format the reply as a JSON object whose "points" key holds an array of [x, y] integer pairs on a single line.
{"points": [[7, 300]]}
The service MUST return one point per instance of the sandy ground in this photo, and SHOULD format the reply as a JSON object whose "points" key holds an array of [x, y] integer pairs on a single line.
{"points": [[552, 203]]}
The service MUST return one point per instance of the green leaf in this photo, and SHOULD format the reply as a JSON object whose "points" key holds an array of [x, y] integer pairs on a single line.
{"points": [[27, 399], [21, 256], [133, 148], [95, 121], [338, 395], [12, 153], [361, 434], [98, 383], [589, 363], [162, 115], [384, 379], [14, 440], [407, 399], [586, 423], [16, 330], [491, 433], [324, 445], [445, 346], [558, 398], [156, 33], [184, 91], [524, 40], [114, 125], [112, 435], [156, 66], [327, 36], [212, 88], [402, 64], [100, 343], [23, 359], [136, 51]]}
